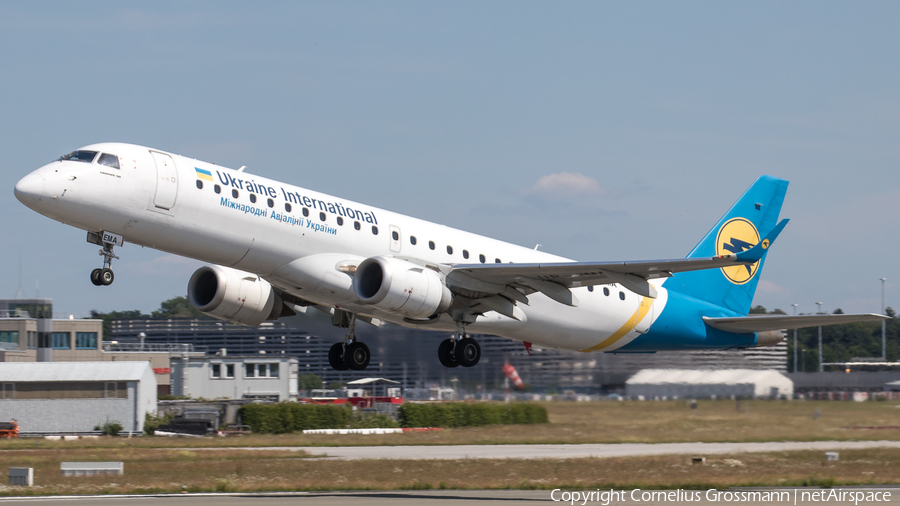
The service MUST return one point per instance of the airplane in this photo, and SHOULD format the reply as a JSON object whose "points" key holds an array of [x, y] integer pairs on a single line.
{"points": [[276, 249]]}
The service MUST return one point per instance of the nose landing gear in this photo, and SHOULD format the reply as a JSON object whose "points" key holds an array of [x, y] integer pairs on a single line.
{"points": [[104, 276]]}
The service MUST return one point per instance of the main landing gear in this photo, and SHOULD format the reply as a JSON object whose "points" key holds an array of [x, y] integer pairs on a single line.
{"points": [[459, 349], [350, 354], [104, 276]]}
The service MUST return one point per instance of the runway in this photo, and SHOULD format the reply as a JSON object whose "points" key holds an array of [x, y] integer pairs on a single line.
{"points": [[544, 451], [417, 497]]}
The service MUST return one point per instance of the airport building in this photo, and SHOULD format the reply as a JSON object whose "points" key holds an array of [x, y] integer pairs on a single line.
{"points": [[75, 397], [409, 356], [837, 385], [228, 377], [664, 384], [29, 333]]}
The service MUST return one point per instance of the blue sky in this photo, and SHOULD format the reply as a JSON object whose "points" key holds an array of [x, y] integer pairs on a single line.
{"points": [[603, 131]]}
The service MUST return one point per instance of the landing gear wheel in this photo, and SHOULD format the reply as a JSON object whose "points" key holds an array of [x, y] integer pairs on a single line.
{"points": [[104, 276], [357, 356], [468, 352], [445, 353], [107, 277], [336, 357]]}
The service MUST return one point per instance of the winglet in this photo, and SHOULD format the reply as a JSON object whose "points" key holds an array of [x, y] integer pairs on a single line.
{"points": [[756, 253]]}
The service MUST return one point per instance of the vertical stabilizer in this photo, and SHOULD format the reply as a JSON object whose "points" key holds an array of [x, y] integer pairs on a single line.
{"points": [[748, 220]]}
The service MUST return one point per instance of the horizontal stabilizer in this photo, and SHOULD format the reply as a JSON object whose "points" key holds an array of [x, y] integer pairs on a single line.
{"points": [[748, 324]]}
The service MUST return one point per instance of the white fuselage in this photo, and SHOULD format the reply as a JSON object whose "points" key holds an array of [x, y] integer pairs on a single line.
{"points": [[153, 199]]}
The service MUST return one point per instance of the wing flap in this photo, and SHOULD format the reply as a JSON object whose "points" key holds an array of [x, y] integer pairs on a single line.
{"points": [[633, 275]]}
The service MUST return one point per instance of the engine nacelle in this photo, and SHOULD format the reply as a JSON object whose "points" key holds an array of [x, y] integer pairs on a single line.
{"points": [[233, 295], [401, 287]]}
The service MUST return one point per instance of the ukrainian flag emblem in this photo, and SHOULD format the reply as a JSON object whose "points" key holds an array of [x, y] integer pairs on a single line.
{"points": [[203, 174]]}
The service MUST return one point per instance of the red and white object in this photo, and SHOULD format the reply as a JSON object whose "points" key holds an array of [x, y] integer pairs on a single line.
{"points": [[513, 376]]}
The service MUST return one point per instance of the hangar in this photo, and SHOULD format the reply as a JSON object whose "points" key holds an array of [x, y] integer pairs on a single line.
{"points": [[699, 384], [74, 397]]}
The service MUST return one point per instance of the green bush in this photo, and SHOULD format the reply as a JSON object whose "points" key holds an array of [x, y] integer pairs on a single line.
{"points": [[110, 428], [372, 421], [290, 416], [152, 422], [458, 414], [287, 417]]}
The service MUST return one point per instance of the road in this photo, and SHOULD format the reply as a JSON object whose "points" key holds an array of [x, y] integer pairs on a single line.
{"points": [[544, 451]]}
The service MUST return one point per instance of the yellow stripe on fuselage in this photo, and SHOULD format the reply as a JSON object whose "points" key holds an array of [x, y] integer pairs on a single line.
{"points": [[629, 325]]}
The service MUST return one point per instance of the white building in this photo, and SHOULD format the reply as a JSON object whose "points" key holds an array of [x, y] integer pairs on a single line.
{"points": [[74, 397], [698, 384], [226, 377]]}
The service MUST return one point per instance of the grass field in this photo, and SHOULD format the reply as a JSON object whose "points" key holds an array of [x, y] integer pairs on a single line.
{"points": [[595, 422], [160, 471], [154, 465]]}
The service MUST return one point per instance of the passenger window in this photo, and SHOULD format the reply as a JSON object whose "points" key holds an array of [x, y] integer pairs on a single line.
{"points": [[374, 230], [109, 160], [606, 291], [481, 258], [322, 216], [253, 198], [497, 261], [430, 244], [412, 240], [449, 250], [340, 221], [622, 295], [305, 211], [199, 184], [465, 253], [217, 189], [287, 206], [590, 288], [356, 225], [270, 202], [79, 156], [234, 194], [394, 235]]}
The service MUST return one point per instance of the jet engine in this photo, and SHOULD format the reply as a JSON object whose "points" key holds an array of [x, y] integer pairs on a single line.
{"points": [[401, 287], [234, 295]]}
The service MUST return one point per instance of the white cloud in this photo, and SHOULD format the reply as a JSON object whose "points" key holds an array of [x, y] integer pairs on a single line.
{"points": [[766, 286], [565, 184]]}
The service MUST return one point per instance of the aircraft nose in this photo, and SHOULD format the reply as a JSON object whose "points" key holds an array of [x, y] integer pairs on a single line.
{"points": [[30, 189]]}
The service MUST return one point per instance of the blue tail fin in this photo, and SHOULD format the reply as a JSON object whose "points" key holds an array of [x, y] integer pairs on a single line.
{"points": [[749, 219]]}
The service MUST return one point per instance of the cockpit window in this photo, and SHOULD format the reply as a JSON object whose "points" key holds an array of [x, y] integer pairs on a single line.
{"points": [[80, 156], [109, 160]]}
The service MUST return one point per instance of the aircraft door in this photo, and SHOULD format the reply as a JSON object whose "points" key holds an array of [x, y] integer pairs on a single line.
{"points": [[395, 238], [644, 325], [166, 181]]}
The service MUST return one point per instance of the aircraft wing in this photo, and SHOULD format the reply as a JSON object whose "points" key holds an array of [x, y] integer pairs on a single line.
{"points": [[747, 324], [555, 279]]}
